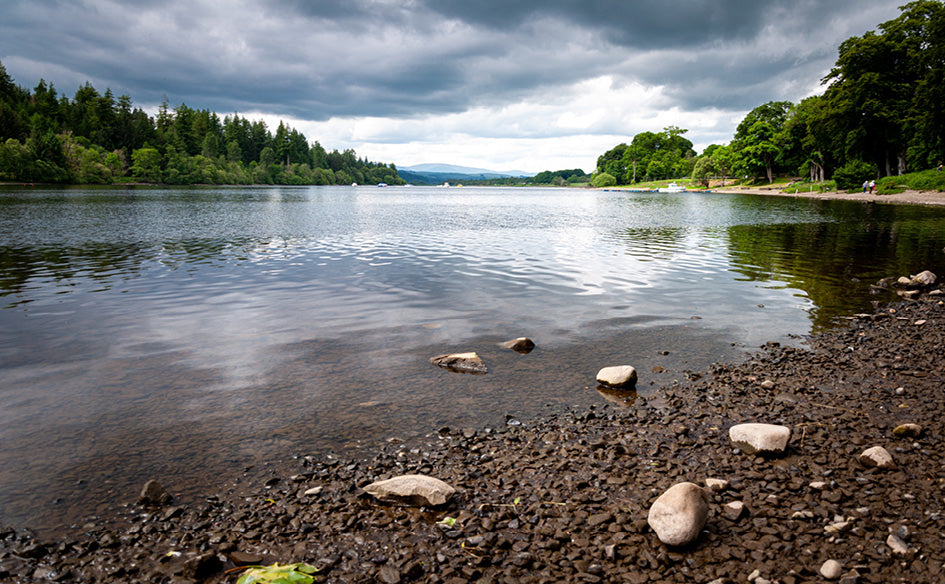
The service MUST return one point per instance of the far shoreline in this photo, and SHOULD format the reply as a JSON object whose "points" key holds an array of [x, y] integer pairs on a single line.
{"points": [[908, 197]]}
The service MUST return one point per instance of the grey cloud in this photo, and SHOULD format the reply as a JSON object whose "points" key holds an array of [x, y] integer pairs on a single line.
{"points": [[316, 60]]}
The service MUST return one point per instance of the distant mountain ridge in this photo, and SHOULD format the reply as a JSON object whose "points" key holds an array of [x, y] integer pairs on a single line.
{"points": [[453, 168], [434, 173]]}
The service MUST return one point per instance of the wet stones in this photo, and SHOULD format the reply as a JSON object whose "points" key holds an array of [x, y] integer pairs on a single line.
{"points": [[761, 439], [461, 363], [411, 491], [679, 514], [154, 494], [877, 457], [621, 376], [523, 345], [908, 430]]}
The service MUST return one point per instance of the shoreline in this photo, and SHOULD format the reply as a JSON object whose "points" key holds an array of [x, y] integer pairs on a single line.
{"points": [[565, 498], [909, 197]]}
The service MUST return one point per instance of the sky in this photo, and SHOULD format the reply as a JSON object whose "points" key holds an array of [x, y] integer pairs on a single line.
{"points": [[496, 84]]}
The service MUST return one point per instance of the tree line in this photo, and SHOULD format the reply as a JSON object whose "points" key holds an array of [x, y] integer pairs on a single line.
{"points": [[882, 114], [96, 138]]}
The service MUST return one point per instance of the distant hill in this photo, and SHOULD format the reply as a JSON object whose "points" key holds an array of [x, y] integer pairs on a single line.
{"points": [[434, 174]]}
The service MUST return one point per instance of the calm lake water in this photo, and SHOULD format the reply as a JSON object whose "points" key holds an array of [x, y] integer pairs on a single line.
{"points": [[187, 334]]}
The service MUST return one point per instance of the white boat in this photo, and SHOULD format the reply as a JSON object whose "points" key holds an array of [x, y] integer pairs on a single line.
{"points": [[672, 188]]}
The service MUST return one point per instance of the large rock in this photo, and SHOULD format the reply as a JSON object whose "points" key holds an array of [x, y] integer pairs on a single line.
{"points": [[623, 376], [411, 491], [877, 457], [461, 363], [678, 515], [925, 279], [764, 439]]}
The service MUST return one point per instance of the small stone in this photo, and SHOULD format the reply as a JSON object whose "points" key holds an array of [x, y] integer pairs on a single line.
{"points": [[767, 384], [760, 438], [898, 547], [411, 490], [838, 527], [877, 457], [618, 376], [716, 485], [679, 514], [733, 510], [154, 494], [314, 491], [908, 430], [818, 485], [851, 577], [831, 570], [245, 558], [461, 363], [523, 345]]}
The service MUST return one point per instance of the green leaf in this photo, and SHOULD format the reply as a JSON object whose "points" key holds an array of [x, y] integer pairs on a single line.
{"points": [[298, 573]]}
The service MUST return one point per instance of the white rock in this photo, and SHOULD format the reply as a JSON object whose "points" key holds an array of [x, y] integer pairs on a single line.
{"points": [[411, 490], [760, 438], [619, 376], [716, 485], [679, 514], [734, 509], [878, 457], [313, 491], [831, 570], [923, 279], [898, 547], [461, 362], [818, 485]]}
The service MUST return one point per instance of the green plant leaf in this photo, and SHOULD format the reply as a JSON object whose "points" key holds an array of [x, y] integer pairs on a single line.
{"points": [[298, 573]]}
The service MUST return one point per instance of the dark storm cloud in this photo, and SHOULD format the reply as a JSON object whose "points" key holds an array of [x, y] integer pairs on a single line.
{"points": [[316, 60]]}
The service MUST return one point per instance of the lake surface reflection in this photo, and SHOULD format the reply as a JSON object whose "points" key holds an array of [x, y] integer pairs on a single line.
{"points": [[186, 334]]}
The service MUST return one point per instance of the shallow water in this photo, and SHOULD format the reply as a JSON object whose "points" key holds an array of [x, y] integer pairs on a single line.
{"points": [[186, 334]]}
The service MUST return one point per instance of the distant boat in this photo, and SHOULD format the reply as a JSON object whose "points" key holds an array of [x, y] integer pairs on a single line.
{"points": [[672, 188], [382, 184], [354, 184]]}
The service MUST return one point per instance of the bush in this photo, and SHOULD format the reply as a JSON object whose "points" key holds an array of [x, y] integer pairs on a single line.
{"points": [[603, 180], [852, 174]]}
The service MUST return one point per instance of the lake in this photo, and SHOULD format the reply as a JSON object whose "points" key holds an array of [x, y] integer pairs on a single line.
{"points": [[189, 334]]}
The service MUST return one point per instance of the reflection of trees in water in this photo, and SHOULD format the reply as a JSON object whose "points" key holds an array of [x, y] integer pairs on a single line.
{"points": [[834, 263], [107, 263]]}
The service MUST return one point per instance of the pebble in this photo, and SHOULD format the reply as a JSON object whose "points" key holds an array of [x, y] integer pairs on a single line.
{"points": [[877, 457], [831, 570], [679, 514], [898, 547]]}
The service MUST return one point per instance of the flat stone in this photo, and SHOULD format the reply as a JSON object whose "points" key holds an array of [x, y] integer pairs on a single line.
{"points": [[679, 514], [877, 457], [411, 490], [618, 376], [716, 485], [461, 363], [896, 545], [761, 439]]}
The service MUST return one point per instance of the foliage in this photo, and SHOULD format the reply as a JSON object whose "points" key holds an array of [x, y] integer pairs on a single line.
{"points": [[852, 174], [603, 180], [928, 180], [560, 177], [299, 573], [650, 156], [97, 138]]}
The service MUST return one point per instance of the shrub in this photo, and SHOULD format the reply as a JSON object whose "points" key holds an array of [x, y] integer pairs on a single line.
{"points": [[852, 174], [603, 180]]}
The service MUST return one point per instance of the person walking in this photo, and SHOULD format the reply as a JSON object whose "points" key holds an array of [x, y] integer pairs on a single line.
{"points": [[866, 185], [872, 186]]}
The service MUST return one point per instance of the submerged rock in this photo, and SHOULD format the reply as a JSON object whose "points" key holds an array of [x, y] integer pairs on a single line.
{"points": [[461, 363], [523, 345], [154, 494]]}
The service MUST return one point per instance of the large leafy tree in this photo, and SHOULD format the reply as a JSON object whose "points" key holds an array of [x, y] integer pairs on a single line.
{"points": [[758, 138]]}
